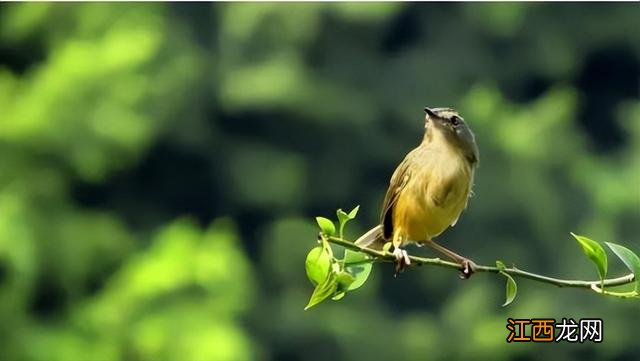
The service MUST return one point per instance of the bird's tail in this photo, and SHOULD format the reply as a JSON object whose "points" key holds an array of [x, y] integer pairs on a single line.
{"points": [[372, 239]]}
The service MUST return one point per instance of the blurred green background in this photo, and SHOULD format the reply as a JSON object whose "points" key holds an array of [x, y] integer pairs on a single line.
{"points": [[161, 165]]}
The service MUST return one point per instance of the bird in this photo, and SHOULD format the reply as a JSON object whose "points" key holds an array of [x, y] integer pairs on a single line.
{"points": [[429, 190]]}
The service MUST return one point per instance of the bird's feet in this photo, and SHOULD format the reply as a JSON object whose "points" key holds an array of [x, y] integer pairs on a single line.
{"points": [[468, 268], [402, 259]]}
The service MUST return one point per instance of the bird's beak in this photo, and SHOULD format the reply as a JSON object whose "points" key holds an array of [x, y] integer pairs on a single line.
{"points": [[430, 112]]}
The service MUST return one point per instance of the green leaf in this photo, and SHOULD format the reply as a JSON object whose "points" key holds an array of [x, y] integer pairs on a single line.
{"points": [[630, 259], [359, 271], [594, 251], [353, 212], [343, 217], [323, 291], [326, 225], [318, 264], [511, 289], [500, 265], [386, 247], [344, 279]]}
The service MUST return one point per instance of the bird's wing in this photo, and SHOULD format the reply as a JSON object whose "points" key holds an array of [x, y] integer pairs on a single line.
{"points": [[466, 203], [398, 182]]}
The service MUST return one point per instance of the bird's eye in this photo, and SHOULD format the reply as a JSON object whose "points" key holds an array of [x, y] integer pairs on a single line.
{"points": [[455, 120]]}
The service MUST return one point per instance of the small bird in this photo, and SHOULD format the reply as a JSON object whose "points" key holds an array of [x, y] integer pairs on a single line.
{"points": [[429, 189]]}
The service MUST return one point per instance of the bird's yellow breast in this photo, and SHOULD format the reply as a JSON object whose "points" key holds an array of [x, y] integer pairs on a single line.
{"points": [[434, 197]]}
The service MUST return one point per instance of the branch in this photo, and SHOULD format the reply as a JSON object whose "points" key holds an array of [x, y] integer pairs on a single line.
{"points": [[382, 256]]}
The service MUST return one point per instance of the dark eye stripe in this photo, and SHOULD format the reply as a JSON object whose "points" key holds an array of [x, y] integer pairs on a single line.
{"points": [[455, 120]]}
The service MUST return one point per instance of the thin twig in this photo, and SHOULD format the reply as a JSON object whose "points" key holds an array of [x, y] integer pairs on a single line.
{"points": [[382, 256]]}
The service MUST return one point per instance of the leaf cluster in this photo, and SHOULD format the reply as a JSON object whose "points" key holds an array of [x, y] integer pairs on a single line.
{"points": [[334, 277]]}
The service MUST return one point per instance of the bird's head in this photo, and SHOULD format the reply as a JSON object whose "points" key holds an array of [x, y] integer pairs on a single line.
{"points": [[448, 123]]}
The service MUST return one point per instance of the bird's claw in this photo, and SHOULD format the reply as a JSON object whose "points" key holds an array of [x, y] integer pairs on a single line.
{"points": [[468, 268], [402, 259]]}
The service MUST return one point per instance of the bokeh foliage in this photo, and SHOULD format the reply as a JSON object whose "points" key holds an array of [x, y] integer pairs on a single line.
{"points": [[161, 165]]}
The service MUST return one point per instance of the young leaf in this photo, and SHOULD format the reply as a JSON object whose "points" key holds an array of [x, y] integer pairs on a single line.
{"points": [[323, 291], [343, 217], [500, 265], [353, 212], [318, 264], [360, 270], [511, 289], [326, 225], [594, 251], [630, 259]]}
